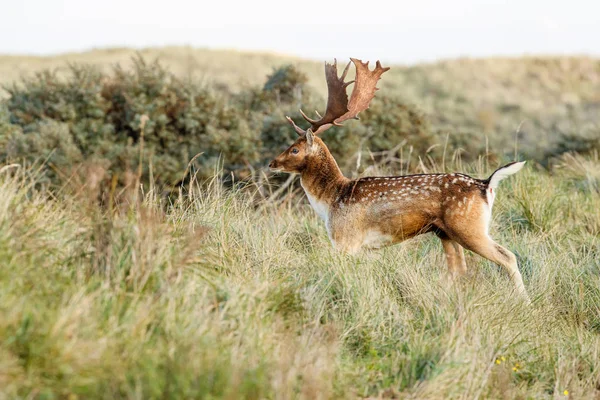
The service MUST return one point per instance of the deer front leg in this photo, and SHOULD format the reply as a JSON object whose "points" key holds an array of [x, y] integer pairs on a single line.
{"points": [[455, 257]]}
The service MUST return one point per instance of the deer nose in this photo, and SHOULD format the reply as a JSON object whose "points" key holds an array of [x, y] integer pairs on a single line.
{"points": [[272, 164]]}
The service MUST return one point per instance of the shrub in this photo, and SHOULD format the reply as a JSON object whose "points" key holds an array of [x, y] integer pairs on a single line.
{"points": [[286, 84], [91, 115], [584, 141]]}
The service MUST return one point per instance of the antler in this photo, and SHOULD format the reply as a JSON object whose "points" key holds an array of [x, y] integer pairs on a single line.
{"points": [[339, 109]]}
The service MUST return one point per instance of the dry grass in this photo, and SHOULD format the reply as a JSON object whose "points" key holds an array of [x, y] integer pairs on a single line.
{"points": [[216, 298]]}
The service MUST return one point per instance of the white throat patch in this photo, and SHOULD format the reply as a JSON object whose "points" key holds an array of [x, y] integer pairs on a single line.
{"points": [[321, 208]]}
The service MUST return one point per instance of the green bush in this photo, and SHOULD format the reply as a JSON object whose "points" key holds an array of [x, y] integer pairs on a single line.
{"points": [[287, 84], [95, 116], [583, 141]]}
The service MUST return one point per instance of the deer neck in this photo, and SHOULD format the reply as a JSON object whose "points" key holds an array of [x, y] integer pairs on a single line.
{"points": [[322, 181]]}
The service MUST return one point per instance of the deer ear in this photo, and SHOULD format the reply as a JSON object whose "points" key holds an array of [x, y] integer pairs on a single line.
{"points": [[309, 139]]}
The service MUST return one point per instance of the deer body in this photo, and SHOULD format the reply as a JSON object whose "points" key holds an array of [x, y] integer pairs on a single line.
{"points": [[373, 212], [367, 212]]}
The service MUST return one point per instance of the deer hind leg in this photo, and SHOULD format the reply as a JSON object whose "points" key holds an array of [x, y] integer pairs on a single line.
{"points": [[455, 256], [460, 253], [488, 248]]}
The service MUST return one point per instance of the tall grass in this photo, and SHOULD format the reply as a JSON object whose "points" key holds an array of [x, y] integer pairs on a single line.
{"points": [[214, 296]]}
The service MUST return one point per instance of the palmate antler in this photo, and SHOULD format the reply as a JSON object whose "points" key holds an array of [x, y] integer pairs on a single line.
{"points": [[339, 109]]}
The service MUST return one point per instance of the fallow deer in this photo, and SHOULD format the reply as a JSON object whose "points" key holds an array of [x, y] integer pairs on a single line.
{"points": [[373, 212]]}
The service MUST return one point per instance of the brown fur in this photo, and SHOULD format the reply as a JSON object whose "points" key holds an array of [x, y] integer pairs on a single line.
{"points": [[378, 211]]}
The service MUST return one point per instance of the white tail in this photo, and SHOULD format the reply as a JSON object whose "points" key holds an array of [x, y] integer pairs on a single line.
{"points": [[504, 172]]}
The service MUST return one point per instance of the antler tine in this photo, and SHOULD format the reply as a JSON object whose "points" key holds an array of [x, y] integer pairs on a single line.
{"points": [[309, 120], [346, 84], [298, 130], [345, 72]]}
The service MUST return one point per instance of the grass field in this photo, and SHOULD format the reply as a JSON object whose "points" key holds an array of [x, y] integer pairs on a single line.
{"points": [[217, 296], [220, 293]]}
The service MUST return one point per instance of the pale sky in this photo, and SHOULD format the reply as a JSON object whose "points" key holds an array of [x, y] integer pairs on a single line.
{"points": [[393, 31]]}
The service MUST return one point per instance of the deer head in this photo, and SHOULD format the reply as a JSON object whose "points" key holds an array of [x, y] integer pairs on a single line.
{"points": [[309, 147]]}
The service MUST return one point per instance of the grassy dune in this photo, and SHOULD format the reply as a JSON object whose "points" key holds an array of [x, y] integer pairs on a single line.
{"points": [[541, 98], [217, 296], [229, 68]]}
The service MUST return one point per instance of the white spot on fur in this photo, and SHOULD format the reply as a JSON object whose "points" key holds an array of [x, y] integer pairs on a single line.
{"points": [[469, 205]]}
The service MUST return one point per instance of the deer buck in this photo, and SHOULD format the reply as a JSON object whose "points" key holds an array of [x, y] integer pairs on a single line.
{"points": [[373, 212]]}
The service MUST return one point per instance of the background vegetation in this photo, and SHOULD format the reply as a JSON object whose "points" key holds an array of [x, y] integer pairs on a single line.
{"points": [[492, 96], [132, 268]]}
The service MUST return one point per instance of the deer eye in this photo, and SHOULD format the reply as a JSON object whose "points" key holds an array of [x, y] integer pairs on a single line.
{"points": [[295, 151]]}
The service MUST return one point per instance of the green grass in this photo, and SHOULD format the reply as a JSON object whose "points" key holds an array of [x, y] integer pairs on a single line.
{"points": [[216, 295]]}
